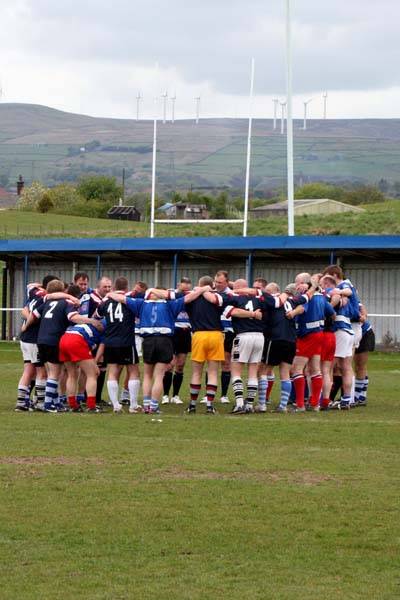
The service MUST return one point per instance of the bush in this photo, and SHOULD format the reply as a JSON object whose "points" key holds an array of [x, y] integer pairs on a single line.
{"points": [[45, 203], [31, 196]]}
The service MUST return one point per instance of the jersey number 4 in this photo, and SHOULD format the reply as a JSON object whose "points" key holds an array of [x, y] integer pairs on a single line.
{"points": [[117, 314]]}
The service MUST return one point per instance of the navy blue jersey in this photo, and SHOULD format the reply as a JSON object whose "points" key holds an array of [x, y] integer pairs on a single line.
{"points": [[205, 316], [89, 303], [55, 316], [157, 317], [120, 321], [279, 326], [243, 325], [35, 291], [31, 334]]}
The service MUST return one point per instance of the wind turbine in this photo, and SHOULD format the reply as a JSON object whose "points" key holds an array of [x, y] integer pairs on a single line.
{"points": [[139, 97], [197, 100], [306, 103], [325, 97], [164, 96], [283, 105], [276, 102], [173, 98]]}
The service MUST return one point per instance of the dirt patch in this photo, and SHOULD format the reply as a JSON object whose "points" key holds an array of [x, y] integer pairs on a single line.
{"points": [[48, 460], [308, 478]]}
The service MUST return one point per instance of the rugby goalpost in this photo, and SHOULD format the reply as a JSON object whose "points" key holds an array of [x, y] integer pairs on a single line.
{"points": [[289, 149], [244, 220]]}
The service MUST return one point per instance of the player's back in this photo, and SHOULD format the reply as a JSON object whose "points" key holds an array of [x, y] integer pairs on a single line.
{"points": [[54, 320], [120, 324], [205, 316]]}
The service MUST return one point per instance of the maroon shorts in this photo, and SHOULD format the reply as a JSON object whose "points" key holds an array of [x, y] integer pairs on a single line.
{"points": [[74, 348], [328, 346], [310, 344]]}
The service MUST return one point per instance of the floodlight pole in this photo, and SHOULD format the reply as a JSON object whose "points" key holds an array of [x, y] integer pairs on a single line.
{"points": [[289, 126], [153, 172], [246, 193]]}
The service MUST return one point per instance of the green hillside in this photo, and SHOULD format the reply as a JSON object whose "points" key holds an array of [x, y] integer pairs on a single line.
{"points": [[52, 146], [383, 218]]}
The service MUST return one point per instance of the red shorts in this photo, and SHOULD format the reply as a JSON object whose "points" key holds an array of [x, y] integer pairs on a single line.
{"points": [[328, 346], [74, 348], [310, 344]]}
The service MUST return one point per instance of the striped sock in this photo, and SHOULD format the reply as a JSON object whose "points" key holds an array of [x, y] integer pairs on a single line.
{"points": [[345, 401], [237, 385], [154, 405], [62, 399], [146, 402], [194, 392], [286, 388], [211, 391], [80, 398], [299, 385], [23, 396], [262, 390], [40, 386], [51, 393], [252, 387]]}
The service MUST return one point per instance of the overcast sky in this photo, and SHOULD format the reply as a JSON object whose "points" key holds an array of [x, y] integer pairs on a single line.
{"points": [[95, 56]]}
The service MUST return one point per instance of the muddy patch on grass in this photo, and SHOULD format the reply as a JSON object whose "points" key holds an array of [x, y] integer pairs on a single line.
{"points": [[37, 461], [306, 478]]}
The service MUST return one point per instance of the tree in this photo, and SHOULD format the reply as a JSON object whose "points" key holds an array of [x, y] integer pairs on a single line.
{"points": [[364, 194], [45, 203], [319, 190], [99, 187], [31, 196]]}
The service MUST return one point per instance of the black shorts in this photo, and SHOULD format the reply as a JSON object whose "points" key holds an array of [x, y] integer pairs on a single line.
{"points": [[278, 351], [157, 349], [229, 336], [182, 340], [48, 354], [367, 343], [120, 355]]}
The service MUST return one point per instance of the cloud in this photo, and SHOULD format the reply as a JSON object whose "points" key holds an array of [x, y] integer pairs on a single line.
{"points": [[107, 47]]}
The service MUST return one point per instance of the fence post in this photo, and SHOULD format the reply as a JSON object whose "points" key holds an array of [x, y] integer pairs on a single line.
{"points": [[4, 304]]}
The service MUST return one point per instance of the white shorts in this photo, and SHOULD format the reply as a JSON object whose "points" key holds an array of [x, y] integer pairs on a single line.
{"points": [[248, 347], [356, 327], [139, 344], [30, 353], [344, 343]]}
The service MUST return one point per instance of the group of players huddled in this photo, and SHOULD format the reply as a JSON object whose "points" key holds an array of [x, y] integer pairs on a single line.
{"points": [[315, 332]]}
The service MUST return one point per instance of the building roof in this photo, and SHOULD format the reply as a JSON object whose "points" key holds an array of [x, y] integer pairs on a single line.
{"points": [[267, 246], [298, 202]]}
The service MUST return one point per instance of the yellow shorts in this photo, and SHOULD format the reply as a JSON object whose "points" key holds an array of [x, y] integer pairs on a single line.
{"points": [[208, 345]]}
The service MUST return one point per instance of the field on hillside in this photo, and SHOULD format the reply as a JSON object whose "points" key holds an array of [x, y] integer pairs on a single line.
{"points": [[381, 218], [201, 508], [42, 143]]}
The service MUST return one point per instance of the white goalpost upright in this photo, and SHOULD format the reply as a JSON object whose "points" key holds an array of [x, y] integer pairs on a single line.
{"points": [[289, 122], [153, 220]]}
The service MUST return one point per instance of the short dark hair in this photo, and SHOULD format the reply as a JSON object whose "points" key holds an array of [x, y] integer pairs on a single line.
{"points": [[47, 280], [121, 283], [223, 273], [334, 270], [206, 280], [142, 285], [80, 275], [261, 280], [73, 290], [185, 280]]}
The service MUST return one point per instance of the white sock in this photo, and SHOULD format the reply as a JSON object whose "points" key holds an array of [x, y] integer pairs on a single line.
{"points": [[112, 388], [134, 386]]}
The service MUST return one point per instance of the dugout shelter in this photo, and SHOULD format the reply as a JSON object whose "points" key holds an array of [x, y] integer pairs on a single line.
{"points": [[371, 262]]}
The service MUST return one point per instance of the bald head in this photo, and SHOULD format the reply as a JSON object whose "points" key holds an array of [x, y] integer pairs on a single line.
{"points": [[104, 286], [272, 288], [239, 284]]}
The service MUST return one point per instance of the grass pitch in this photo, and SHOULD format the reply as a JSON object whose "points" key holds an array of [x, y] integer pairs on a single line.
{"points": [[104, 507]]}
